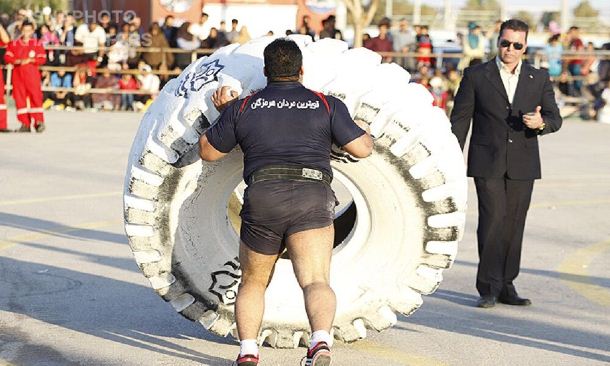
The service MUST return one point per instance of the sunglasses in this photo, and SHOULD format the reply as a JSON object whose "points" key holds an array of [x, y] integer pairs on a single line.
{"points": [[516, 45]]}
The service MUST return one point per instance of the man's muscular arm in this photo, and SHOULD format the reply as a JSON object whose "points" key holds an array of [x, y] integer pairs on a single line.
{"points": [[362, 146], [207, 151]]}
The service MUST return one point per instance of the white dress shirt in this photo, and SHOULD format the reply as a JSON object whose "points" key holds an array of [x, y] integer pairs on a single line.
{"points": [[509, 79]]}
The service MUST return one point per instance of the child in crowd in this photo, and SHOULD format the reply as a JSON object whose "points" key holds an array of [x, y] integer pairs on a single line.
{"points": [[126, 84], [60, 99], [149, 83], [106, 101]]}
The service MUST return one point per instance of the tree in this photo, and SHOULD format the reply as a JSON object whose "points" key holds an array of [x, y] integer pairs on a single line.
{"points": [[12, 6], [362, 15], [527, 18], [585, 10], [482, 5], [403, 7]]}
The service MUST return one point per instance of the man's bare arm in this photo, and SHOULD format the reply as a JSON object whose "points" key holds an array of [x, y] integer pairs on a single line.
{"points": [[362, 146], [207, 151]]}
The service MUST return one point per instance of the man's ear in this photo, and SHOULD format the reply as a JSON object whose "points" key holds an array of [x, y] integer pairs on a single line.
{"points": [[265, 71]]}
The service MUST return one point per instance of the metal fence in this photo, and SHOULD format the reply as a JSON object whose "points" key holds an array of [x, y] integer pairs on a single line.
{"points": [[536, 59]]}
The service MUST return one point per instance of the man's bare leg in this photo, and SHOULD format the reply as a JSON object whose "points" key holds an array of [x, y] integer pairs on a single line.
{"points": [[310, 252], [256, 273]]}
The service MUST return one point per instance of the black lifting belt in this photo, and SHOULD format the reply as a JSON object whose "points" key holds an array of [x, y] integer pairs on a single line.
{"points": [[289, 172]]}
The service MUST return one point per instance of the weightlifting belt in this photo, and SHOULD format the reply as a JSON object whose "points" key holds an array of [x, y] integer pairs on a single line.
{"points": [[289, 172]]}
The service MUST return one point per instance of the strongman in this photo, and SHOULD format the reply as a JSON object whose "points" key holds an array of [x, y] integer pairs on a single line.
{"points": [[285, 132]]}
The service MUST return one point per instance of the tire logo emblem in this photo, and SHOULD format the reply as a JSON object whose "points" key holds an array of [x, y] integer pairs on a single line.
{"points": [[195, 80], [225, 282]]}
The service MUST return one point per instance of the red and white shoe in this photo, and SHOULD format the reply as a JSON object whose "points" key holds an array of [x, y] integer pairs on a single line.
{"points": [[246, 360], [319, 355]]}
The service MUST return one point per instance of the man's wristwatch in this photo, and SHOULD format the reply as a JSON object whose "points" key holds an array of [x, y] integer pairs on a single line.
{"points": [[541, 128]]}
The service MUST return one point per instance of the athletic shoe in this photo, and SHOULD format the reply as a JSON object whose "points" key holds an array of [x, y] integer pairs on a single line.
{"points": [[5, 130], [40, 127], [247, 360], [24, 128], [319, 355]]}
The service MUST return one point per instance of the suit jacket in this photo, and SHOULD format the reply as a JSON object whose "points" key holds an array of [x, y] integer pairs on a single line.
{"points": [[501, 145]]}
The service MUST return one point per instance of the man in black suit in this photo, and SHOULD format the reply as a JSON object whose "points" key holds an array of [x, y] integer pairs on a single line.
{"points": [[510, 103]]}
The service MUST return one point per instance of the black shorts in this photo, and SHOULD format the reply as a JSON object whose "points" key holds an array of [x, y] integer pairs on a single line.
{"points": [[276, 209]]}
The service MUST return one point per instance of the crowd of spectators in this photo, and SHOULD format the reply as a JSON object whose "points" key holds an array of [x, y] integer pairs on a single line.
{"points": [[580, 78], [116, 47]]}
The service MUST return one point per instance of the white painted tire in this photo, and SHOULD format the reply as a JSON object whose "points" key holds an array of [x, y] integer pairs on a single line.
{"points": [[410, 196]]}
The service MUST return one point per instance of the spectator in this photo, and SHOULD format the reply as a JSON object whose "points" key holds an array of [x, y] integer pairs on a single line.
{"points": [[493, 39], [222, 29], [270, 33], [127, 83], [150, 84], [473, 47], [61, 99], [565, 84], [105, 22], [170, 31], [156, 39], [201, 30], [305, 27], [110, 100], [57, 22], [91, 37], [303, 30], [66, 37], [403, 41], [130, 40], [603, 114], [234, 33], [553, 52], [83, 81], [424, 47], [365, 37], [135, 26], [329, 30], [590, 61], [381, 43], [118, 55], [49, 38], [244, 35], [111, 35], [575, 44], [439, 92], [14, 29], [214, 40], [185, 41]]}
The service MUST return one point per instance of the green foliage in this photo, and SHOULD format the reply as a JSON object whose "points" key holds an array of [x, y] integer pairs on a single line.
{"points": [[481, 5], [402, 7], [585, 10], [527, 17], [11, 6]]}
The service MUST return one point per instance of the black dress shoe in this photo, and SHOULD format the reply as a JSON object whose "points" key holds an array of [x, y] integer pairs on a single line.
{"points": [[24, 128], [514, 300], [5, 130], [486, 302]]}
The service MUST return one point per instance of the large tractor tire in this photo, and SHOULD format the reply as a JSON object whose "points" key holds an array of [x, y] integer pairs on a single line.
{"points": [[402, 214]]}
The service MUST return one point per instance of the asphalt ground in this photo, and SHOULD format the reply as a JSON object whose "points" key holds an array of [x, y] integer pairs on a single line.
{"points": [[71, 293]]}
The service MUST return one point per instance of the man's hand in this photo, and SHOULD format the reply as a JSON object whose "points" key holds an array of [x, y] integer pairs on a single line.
{"points": [[222, 96], [533, 120]]}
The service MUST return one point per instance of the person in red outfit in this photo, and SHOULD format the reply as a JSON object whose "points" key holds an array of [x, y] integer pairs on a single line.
{"points": [[382, 42], [4, 39], [26, 54]]}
